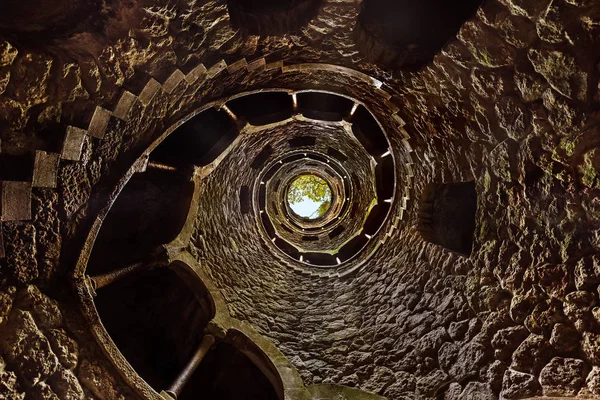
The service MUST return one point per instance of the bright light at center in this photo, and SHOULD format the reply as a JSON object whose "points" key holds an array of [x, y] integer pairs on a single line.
{"points": [[309, 196]]}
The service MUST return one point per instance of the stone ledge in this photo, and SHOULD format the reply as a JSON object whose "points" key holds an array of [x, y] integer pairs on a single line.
{"points": [[125, 105], [73, 144], [45, 172], [16, 201], [99, 122]]}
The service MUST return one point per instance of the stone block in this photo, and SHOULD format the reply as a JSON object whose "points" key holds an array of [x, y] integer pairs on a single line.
{"points": [[172, 81], [531, 355], [9, 387], [593, 381], [6, 301], [42, 391], [45, 169], [44, 310], [73, 144], [216, 69], [562, 376], [257, 64], [16, 201], [236, 66], [149, 91], [64, 383], [65, 348], [519, 385], [99, 122], [124, 105], [98, 381], [195, 74], [19, 245], [27, 348]]}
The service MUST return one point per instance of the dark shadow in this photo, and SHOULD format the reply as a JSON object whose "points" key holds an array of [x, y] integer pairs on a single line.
{"points": [[302, 141], [262, 198], [287, 248], [245, 202], [324, 106], [376, 218], [34, 23], [16, 168], [268, 225], [263, 108], [338, 155], [286, 228], [447, 215], [406, 34], [384, 177], [352, 248], [321, 259], [356, 182], [156, 321], [150, 211], [199, 141], [368, 132], [336, 232], [271, 17], [262, 157], [308, 238], [228, 374]]}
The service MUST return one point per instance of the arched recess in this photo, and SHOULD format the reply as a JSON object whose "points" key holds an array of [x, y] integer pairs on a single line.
{"points": [[263, 108], [150, 211], [228, 374], [406, 34], [323, 106], [156, 318], [368, 132], [197, 142], [235, 368], [271, 17], [447, 215]]}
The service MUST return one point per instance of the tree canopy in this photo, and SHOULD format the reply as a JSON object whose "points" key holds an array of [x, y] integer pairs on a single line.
{"points": [[312, 190]]}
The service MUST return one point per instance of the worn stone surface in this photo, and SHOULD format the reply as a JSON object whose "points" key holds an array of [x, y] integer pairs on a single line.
{"points": [[20, 263], [518, 385], [562, 376], [511, 103], [9, 387], [40, 353]]}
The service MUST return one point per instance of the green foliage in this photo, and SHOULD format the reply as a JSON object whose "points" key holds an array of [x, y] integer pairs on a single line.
{"points": [[313, 188]]}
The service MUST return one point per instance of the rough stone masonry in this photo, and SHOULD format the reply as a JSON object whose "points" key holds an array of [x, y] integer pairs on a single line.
{"points": [[511, 102]]}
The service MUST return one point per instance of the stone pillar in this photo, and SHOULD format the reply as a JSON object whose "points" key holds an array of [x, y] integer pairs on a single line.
{"points": [[177, 387]]}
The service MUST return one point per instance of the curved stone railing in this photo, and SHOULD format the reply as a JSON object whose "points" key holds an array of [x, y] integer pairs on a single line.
{"points": [[16, 195]]}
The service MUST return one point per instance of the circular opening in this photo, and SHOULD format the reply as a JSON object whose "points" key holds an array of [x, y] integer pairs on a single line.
{"points": [[309, 196]]}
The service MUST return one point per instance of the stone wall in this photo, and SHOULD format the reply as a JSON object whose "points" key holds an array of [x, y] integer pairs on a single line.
{"points": [[512, 103], [46, 353], [497, 105]]}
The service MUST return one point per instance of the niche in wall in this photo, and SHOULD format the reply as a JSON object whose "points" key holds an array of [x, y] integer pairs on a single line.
{"points": [[228, 374], [156, 320], [447, 215], [406, 34], [150, 211]]}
